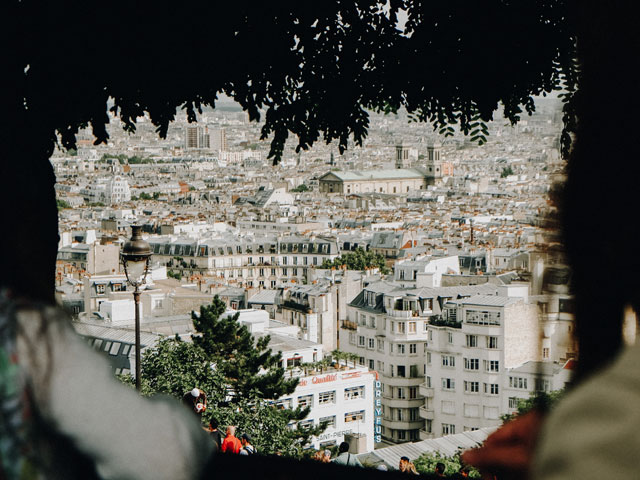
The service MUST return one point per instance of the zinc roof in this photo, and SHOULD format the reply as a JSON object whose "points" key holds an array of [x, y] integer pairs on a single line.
{"points": [[378, 174]]}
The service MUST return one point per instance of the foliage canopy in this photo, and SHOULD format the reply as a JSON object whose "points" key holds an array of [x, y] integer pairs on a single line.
{"points": [[426, 464], [311, 69], [174, 367], [359, 259], [542, 400]]}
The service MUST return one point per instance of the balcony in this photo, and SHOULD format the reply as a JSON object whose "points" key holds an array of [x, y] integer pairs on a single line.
{"points": [[425, 391], [441, 322], [407, 381], [403, 424], [400, 313], [347, 325], [424, 435], [402, 402], [425, 413], [291, 305]]}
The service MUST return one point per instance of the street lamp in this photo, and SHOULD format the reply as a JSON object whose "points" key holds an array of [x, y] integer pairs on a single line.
{"points": [[135, 257]]}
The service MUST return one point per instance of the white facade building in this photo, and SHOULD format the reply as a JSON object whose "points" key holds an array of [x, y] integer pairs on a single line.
{"points": [[111, 190], [117, 190], [251, 261], [469, 349], [387, 328], [532, 377], [425, 271], [343, 400]]}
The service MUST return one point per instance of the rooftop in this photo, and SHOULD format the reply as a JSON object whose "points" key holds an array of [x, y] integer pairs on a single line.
{"points": [[397, 173]]}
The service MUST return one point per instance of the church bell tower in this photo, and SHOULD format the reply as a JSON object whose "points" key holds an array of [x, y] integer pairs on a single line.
{"points": [[402, 156], [434, 163]]}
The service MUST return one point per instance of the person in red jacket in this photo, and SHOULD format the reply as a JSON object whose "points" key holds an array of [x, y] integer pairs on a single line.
{"points": [[231, 444]]}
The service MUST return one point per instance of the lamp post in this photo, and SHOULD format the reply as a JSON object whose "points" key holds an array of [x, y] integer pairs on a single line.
{"points": [[135, 257]]}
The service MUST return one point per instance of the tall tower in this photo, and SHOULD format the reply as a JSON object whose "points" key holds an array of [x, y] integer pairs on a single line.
{"points": [[434, 163], [192, 134], [218, 139], [402, 156]]}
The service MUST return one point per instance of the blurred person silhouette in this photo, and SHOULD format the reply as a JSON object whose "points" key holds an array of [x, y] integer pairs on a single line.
{"points": [[195, 400], [346, 458], [231, 443], [592, 433], [215, 433], [64, 415], [326, 456], [247, 448]]}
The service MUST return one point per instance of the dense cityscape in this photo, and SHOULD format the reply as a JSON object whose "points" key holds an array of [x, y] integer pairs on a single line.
{"points": [[411, 284]]}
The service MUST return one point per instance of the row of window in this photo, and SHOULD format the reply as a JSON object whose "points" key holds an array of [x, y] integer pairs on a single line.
{"points": [[402, 435], [330, 421], [101, 288], [521, 383], [449, 361], [447, 428], [402, 393], [471, 341], [251, 272], [469, 386], [470, 410], [476, 317], [404, 414], [379, 344], [207, 250], [324, 398]]}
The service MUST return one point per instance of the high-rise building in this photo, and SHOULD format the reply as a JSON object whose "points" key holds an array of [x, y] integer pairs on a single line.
{"points": [[192, 136], [469, 350], [387, 328], [217, 139], [196, 136]]}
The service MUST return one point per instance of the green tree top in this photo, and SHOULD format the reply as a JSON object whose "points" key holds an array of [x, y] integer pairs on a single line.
{"points": [[506, 171], [426, 464], [61, 204], [174, 367], [359, 259], [542, 400], [248, 365]]}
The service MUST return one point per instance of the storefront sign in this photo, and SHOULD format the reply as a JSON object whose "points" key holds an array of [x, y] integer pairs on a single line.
{"points": [[377, 412]]}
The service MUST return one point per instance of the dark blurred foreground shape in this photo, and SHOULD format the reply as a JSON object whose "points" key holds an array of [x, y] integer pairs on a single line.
{"points": [[280, 468], [73, 75], [315, 68]]}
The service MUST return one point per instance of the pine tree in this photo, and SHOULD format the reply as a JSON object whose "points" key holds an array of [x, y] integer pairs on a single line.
{"points": [[248, 365], [225, 358]]}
